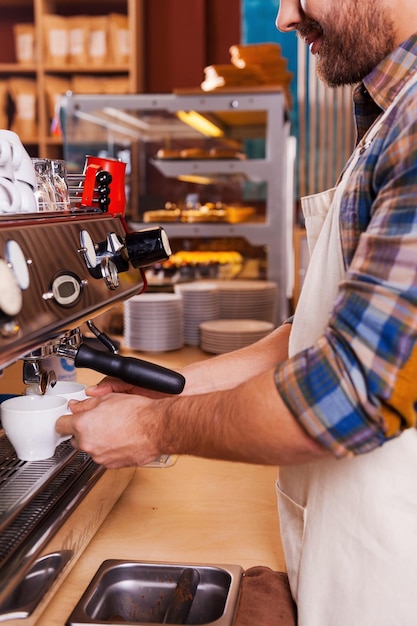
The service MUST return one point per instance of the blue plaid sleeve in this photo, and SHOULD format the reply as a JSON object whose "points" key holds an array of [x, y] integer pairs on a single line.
{"points": [[356, 387]]}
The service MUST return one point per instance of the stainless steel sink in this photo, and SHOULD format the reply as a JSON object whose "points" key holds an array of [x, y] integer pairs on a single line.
{"points": [[140, 593]]}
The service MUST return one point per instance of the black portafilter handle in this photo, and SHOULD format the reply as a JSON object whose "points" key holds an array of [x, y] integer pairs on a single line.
{"points": [[130, 370]]}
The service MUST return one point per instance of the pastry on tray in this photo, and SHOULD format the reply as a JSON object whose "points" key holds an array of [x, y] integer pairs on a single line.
{"points": [[166, 153], [195, 153], [226, 153]]}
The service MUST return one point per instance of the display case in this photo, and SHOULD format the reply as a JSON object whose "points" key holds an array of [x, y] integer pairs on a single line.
{"points": [[216, 170]]}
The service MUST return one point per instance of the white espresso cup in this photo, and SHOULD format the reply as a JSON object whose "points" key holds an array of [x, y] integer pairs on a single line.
{"points": [[68, 389], [29, 423]]}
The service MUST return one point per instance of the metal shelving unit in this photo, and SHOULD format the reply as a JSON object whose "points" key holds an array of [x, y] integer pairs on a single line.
{"points": [[130, 122]]}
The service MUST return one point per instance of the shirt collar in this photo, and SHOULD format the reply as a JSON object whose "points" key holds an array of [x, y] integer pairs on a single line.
{"points": [[388, 77], [378, 90]]}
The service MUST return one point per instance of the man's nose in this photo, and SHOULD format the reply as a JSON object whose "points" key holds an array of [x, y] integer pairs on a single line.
{"points": [[290, 14]]}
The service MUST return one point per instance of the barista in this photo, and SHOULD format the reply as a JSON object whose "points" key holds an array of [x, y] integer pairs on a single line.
{"points": [[328, 397]]}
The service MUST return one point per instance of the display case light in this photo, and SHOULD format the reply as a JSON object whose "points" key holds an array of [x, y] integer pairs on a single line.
{"points": [[200, 123], [198, 180]]}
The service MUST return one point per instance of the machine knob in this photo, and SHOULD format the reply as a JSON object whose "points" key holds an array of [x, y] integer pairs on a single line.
{"points": [[18, 263], [112, 249], [109, 273], [10, 292], [88, 249], [148, 246]]}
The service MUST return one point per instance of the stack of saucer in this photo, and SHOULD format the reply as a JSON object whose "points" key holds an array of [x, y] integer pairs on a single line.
{"points": [[248, 299], [220, 336], [154, 322], [201, 303]]}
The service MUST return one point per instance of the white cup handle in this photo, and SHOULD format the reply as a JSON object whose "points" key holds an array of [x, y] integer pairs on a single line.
{"points": [[64, 437], [5, 152], [13, 193], [17, 154]]}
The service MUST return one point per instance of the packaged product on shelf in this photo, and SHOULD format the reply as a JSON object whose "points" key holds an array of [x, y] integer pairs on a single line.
{"points": [[88, 83], [55, 87], [56, 40], [78, 39], [98, 46], [116, 84], [23, 93], [119, 39], [24, 39]]}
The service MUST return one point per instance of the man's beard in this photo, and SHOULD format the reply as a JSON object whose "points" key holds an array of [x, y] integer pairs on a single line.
{"points": [[354, 41]]}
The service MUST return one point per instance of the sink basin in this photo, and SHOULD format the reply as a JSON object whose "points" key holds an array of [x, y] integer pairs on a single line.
{"points": [[139, 593]]}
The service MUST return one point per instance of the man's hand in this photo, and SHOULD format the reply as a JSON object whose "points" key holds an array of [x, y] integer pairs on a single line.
{"points": [[115, 385], [116, 429]]}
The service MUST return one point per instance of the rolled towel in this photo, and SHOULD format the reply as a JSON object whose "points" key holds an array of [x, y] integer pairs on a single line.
{"points": [[265, 599]]}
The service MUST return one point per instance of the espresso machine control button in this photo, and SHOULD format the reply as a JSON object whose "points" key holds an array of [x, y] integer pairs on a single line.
{"points": [[65, 289], [18, 263], [109, 273], [88, 249], [10, 292]]}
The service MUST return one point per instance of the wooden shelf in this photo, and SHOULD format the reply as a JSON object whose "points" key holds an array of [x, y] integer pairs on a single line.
{"points": [[17, 68], [33, 12], [16, 3], [83, 69]]}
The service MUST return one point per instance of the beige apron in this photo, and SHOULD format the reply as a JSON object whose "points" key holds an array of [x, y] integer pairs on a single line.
{"points": [[349, 527]]}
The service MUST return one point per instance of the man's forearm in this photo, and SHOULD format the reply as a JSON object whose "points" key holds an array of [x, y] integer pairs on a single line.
{"points": [[231, 369], [250, 423]]}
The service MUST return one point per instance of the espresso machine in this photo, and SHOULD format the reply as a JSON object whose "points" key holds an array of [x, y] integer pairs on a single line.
{"points": [[58, 271]]}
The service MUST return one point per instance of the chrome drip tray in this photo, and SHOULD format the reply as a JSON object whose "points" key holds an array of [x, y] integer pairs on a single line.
{"points": [[20, 481], [35, 500]]}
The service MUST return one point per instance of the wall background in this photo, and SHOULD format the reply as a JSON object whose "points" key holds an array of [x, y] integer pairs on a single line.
{"points": [[258, 26], [321, 117], [184, 36]]}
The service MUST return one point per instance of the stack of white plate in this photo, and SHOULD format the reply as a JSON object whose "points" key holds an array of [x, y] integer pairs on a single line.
{"points": [[201, 303], [220, 336], [248, 299], [153, 322]]}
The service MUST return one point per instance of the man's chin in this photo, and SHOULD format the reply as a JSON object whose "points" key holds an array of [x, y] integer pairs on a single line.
{"points": [[332, 78]]}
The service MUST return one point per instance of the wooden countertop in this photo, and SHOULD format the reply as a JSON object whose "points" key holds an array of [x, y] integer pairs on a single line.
{"points": [[197, 511]]}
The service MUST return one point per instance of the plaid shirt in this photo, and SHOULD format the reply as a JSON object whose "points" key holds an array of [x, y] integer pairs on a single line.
{"points": [[356, 387]]}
